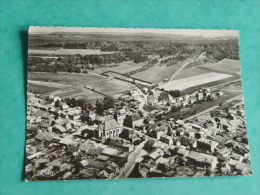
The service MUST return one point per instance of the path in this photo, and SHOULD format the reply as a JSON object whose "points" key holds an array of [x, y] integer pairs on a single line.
{"points": [[201, 55]]}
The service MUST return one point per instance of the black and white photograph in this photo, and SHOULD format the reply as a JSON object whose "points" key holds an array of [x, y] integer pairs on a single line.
{"points": [[111, 103]]}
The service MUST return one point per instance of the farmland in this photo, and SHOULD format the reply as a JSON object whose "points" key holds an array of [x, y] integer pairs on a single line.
{"points": [[123, 67], [75, 84], [182, 84], [158, 73], [40, 89], [228, 66]]}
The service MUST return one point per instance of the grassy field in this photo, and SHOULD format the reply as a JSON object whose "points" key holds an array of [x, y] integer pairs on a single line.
{"points": [[124, 67], [158, 73], [77, 83], [81, 93], [74, 79], [38, 89], [185, 83], [226, 66]]}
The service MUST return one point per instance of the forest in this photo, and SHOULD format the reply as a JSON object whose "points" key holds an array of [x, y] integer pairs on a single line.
{"points": [[137, 51]]}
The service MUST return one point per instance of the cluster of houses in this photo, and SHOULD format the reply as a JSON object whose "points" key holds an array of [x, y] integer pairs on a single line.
{"points": [[61, 145], [203, 94], [208, 144], [57, 139]]}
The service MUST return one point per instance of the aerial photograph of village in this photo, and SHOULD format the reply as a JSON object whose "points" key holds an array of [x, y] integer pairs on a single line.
{"points": [[110, 103]]}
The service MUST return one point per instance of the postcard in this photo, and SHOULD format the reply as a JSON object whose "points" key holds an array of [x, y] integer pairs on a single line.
{"points": [[110, 103]]}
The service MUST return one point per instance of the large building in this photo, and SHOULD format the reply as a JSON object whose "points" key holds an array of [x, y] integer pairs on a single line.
{"points": [[108, 129]]}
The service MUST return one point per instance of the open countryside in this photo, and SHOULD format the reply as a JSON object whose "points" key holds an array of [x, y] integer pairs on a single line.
{"points": [[186, 83], [74, 86]]}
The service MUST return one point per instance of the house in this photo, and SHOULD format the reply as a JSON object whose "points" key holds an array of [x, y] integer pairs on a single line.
{"points": [[206, 144], [237, 157], [156, 154], [59, 128], [202, 160], [179, 151], [119, 116], [220, 93], [188, 142], [180, 99], [193, 99], [109, 152], [200, 96], [166, 139], [63, 106], [244, 168], [133, 121], [185, 103], [186, 97], [180, 122], [108, 129], [172, 99], [35, 155], [102, 158]]}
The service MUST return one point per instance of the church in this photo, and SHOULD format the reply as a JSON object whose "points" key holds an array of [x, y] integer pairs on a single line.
{"points": [[108, 129]]}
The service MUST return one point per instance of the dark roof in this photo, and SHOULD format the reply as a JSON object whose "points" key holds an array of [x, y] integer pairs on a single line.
{"points": [[73, 149], [110, 124], [136, 117]]}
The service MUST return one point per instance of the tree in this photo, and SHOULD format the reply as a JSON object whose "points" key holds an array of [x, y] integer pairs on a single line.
{"points": [[57, 103], [175, 93], [99, 107], [73, 102], [146, 121], [84, 117], [108, 102], [90, 107]]}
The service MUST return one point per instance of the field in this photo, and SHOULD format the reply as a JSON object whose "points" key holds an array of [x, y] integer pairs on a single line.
{"points": [[39, 89], [158, 73], [227, 66], [182, 84], [80, 93], [49, 84], [75, 85], [124, 67], [67, 51]]}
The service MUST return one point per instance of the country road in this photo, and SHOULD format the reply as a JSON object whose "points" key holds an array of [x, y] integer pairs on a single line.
{"points": [[186, 64], [201, 55]]}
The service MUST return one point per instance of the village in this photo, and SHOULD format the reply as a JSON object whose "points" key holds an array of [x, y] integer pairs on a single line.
{"points": [[136, 136]]}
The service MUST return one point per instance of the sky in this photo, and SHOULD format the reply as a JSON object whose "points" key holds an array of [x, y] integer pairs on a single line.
{"points": [[184, 32]]}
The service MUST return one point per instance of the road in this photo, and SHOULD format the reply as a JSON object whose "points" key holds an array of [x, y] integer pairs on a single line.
{"points": [[201, 56], [133, 158]]}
